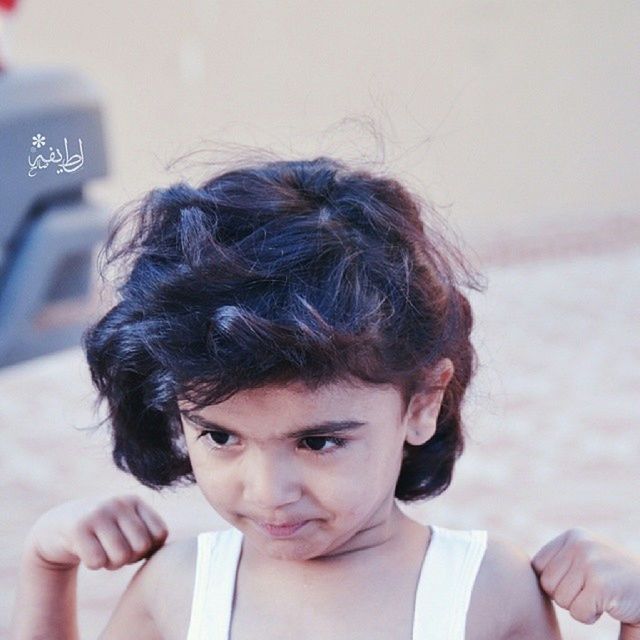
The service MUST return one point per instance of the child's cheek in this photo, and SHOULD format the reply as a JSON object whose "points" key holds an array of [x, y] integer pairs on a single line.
{"points": [[342, 495]]}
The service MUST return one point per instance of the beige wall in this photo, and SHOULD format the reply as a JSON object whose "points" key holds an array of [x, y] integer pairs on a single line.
{"points": [[496, 109]]}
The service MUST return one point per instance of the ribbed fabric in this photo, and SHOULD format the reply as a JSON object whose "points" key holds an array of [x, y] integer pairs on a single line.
{"points": [[218, 554], [446, 580]]}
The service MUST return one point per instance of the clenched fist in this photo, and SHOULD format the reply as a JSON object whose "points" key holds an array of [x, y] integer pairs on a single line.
{"points": [[107, 533], [589, 577]]}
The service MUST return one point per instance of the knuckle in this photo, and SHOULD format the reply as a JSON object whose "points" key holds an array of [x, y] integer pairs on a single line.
{"points": [[579, 616], [120, 557], [584, 549], [140, 545], [80, 527], [83, 528], [139, 538], [547, 582], [585, 616], [106, 502], [103, 512], [94, 560], [584, 546], [160, 526], [117, 503], [562, 601], [128, 500], [577, 534]]}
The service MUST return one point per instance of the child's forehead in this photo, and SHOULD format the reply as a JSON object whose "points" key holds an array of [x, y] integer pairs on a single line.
{"points": [[348, 392]]}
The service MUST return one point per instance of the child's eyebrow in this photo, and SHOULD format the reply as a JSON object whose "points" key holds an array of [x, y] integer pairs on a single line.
{"points": [[322, 428]]}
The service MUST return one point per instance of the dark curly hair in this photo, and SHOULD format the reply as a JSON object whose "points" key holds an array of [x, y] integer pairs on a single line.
{"points": [[307, 271]]}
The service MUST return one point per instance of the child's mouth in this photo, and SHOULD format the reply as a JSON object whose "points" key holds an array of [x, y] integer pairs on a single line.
{"points": [[281, 531]]}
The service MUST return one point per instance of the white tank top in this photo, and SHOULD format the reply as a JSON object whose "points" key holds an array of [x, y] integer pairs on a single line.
{"points": [[444, 588]]}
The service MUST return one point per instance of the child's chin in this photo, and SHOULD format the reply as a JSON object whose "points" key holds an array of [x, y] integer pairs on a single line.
{"points": [[287, 549]]}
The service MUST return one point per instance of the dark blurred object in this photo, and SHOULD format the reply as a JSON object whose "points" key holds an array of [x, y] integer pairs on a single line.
{"points": [[51, 145]]}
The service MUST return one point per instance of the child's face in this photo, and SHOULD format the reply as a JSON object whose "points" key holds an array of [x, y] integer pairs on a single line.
{"points": [[332, 489]]}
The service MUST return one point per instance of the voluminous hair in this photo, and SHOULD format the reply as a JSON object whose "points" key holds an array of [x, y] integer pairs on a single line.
{"points": [[283, 271]]}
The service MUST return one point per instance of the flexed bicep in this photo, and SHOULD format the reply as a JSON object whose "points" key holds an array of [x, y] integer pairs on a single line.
{"points": [[507, 602], [133, 612], [157, 601]]}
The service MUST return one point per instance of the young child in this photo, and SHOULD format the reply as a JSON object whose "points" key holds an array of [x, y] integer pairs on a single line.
{"points": [[292, 336]]}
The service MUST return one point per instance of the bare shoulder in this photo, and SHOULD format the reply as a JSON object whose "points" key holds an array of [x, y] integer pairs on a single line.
{"points": [[157, 601], [507, 602], [171, 577]]}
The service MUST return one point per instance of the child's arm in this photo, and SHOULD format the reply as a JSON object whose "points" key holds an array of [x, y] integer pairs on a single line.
{"points": [[507, 602], [108, 534], [589, 577]]}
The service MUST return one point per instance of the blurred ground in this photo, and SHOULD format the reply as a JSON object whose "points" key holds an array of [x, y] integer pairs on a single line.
{"points": [[552, 417]]}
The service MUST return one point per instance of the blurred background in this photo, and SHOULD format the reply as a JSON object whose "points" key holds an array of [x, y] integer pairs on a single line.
{"points": [[518, 120]]}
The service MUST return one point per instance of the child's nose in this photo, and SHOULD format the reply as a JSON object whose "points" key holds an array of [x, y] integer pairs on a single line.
{"points": [[270, 482]]}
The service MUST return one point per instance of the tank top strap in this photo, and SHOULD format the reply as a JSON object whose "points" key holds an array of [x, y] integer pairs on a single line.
{"points": [[446, 580], [215, 579]]}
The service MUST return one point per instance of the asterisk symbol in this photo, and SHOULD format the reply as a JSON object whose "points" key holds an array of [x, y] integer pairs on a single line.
{"points": [[38, 140]]}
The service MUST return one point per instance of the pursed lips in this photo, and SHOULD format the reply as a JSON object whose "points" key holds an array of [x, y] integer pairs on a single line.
{"points": [[280, 529], [283, 525]]}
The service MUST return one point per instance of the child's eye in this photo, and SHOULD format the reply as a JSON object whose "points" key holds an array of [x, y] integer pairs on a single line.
{"points": [[218, 439], [317, 444]]}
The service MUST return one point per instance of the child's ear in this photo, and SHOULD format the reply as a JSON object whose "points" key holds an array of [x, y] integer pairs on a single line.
{"points": [[424, 407]]}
